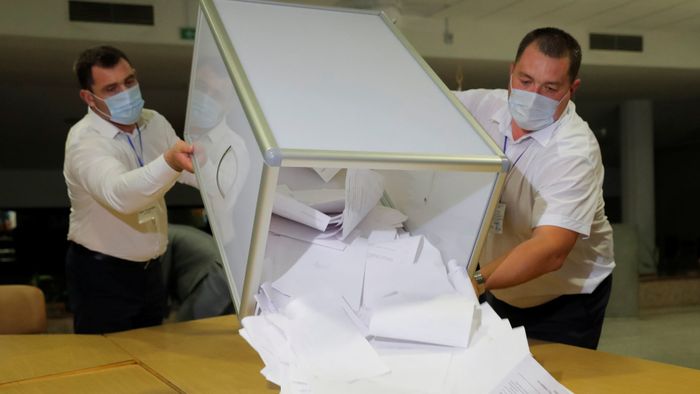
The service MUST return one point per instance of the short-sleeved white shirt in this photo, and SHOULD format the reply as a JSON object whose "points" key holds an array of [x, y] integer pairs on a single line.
{"points": [[556, 178]]}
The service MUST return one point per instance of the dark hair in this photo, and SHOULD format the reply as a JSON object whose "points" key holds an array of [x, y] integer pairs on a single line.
{"points": [[555, 43], [102, 56]]}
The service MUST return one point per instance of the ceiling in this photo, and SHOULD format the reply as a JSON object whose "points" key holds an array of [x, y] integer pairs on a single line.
{"points": [[620, 15], [43, 100]]}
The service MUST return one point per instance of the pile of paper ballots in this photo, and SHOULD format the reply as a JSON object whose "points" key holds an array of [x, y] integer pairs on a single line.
{"points": [[370, 308]]}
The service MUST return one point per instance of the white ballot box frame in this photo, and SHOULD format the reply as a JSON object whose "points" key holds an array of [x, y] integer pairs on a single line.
{"points": [[255, 126]]}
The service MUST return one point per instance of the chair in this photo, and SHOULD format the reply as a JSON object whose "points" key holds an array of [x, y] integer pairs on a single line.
{"points": [[22, 310]]}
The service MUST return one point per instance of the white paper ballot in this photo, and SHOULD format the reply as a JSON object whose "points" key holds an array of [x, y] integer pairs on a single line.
{"points": [[380, 218], [529, 377], [324, 200], [326, 342], [459, 280], [277, 300], [391, 279], [444, 320], [324, 268], [326, 173], [399, 251], [415, 369], [292, 209], [488, 362], [281, 253], [384, 235], [491, 326], [291, 229], [363, 189], [269, 341], [264, 305]]}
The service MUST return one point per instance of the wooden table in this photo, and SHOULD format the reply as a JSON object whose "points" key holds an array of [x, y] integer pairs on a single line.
{"points": [[208, 356], [589, 371], [72, 364], [201, 356], [25, 357], [117, 379]]}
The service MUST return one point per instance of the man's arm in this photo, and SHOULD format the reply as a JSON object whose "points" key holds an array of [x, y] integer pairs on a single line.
{"points": [[94, 165], [544, 252]]}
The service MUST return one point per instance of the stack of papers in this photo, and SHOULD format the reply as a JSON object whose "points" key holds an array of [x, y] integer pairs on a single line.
{"points": [[363, 189], [377, 310]]}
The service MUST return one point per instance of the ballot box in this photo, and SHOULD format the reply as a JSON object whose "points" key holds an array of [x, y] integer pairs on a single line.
{"points": [[292, 107]]}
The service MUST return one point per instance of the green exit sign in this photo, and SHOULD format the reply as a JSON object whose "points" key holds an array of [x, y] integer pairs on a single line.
{"points": [[187, 33]]}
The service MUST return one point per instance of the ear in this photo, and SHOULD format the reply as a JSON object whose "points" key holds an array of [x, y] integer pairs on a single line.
{"points": [[510, 77], [575, 85], [87, 98]]}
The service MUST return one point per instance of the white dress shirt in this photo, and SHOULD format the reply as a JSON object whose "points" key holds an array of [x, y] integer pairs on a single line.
{"points": [[556, 179], [117, 205]]}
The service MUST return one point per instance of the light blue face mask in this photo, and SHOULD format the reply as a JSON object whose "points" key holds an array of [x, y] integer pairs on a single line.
{"points": [[125, 107], [205, 111], [532, 111]]}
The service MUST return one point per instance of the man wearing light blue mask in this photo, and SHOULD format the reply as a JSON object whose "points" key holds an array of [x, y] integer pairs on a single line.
{"points": [[120, 160], [548, 259], [124, 108]]}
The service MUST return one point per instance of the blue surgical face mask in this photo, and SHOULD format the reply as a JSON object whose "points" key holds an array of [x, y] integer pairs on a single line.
{"points": [[124, 107], [532, 111], [205, 111]]}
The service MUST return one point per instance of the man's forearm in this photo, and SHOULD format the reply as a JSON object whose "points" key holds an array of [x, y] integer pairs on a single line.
{"points": [[545, 252]]}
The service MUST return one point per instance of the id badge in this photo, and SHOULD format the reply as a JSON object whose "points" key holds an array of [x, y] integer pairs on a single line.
{"points": [[498, 216], [147, 215]]}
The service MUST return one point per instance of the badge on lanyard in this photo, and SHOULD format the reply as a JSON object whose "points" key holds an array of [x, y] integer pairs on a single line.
{"points": [[498, 216], [147, 215]]}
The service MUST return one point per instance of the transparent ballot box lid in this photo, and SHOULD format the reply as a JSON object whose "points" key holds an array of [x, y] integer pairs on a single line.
{"points": [[315, 128]]}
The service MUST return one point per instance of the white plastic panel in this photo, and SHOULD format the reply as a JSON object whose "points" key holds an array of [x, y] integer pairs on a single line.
{"points": [[448, 208], [342, 80], [227, 158]]}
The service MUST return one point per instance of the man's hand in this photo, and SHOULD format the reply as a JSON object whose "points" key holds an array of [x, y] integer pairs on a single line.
{"points": [[179, 156]]}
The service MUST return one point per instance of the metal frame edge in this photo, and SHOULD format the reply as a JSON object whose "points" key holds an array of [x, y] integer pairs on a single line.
{"points": [[441, 85], [258, 240], [251, 106]]}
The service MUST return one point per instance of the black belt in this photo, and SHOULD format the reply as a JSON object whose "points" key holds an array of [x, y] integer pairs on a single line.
{"points": [[83, 251]]}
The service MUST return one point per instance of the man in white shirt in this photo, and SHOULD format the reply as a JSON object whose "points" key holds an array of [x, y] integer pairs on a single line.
{"points": [[548, 259], [120, 160]]}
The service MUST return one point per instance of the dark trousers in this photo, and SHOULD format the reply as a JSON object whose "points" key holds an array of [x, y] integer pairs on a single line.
{"points": [[573, 319], [108, 294]]}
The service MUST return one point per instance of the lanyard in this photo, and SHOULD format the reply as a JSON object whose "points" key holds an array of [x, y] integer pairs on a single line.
{"points": [[510, 170], [139, 158]]}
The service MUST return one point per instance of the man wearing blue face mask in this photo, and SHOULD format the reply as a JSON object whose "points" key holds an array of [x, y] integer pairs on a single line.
{"points": [[548, 260], [120, 160]]}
